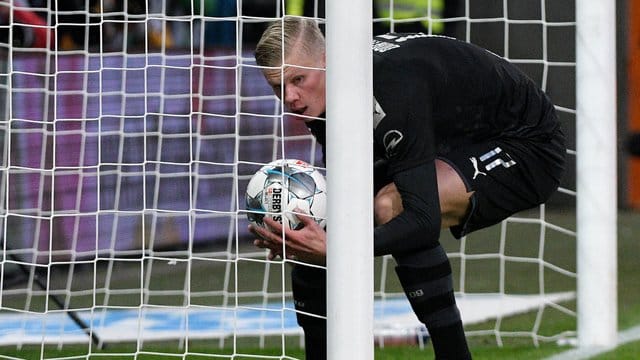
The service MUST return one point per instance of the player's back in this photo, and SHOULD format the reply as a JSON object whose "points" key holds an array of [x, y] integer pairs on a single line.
{"points": [[461, 89]]}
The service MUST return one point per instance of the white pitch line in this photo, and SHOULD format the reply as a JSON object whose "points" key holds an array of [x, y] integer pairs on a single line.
{"points": [[626, 336], [394, 317]]}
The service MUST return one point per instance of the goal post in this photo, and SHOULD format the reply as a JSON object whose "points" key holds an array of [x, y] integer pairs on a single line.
{"points": [[597, 172], [349, 180], [129, 133]]}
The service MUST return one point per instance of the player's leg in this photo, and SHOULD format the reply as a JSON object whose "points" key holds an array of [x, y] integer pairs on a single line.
{"points": [[309, 293], [309, 296], [454, 197], [506, 176], [425, 274], [427, 280], [481, 184]]}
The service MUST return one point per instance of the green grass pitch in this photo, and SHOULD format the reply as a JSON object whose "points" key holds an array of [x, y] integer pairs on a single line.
{"points": [[482, 347]]}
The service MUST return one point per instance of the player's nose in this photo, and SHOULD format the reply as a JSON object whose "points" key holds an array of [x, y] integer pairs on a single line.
{"points": [[291, 96]]}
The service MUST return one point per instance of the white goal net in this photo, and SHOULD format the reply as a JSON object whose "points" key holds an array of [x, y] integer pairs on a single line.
{"points": [[128, 133]]}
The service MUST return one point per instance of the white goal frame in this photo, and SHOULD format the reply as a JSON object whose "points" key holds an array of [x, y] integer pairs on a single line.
{"points": [[596, 189], [596, 172], [350, 226], [350, 261]]}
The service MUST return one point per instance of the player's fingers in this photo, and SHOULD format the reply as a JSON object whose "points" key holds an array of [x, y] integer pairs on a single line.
{"points": [[304, 218], [292, 257], [273, 254], [275, 250], [264, 234], [267, 240], [254, 230], [261, 244], [275, 226]]}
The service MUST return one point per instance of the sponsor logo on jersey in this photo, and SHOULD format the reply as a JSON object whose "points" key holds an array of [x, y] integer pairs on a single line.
{"points": [[386, 42], [378, 113], [390, 141], [387, 36], [397, 38], [409, 37], [383, 46]]}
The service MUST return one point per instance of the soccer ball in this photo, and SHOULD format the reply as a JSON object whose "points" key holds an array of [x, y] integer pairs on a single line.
{"points": [[281, 187]]}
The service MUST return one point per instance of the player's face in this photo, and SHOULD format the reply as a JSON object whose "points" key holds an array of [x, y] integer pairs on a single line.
{"points": [[301, 84]]}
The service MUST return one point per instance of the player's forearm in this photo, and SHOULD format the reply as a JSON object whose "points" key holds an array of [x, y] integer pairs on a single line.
{"points": [[405, 233], [418, 226]]}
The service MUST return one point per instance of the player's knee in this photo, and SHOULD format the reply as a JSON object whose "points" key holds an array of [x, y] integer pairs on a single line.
{"points": [[387, 204], [383, 211], [454, 197]]}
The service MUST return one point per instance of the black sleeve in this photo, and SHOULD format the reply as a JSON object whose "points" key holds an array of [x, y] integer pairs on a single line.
{"points": [[318, 130], [418, 226]]}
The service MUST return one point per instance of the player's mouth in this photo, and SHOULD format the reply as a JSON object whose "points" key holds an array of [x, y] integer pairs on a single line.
{"points": [[299, 111]]}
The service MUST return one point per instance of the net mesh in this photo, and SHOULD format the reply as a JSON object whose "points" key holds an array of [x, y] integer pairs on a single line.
{"points": [[130, 132]]}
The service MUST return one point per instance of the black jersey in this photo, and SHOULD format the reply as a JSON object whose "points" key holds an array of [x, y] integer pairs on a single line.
{"points": [[433, 92]]}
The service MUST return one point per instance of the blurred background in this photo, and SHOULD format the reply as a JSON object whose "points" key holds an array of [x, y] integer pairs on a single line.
{"points": [[129, 130]]}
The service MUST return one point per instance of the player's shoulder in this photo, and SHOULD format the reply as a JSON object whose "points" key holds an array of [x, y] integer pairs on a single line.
{"points": [[391, 41], [393, 45]]}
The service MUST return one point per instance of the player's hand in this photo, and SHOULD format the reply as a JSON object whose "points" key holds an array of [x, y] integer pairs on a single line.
{"points": [[267, 240], [308, 244]]}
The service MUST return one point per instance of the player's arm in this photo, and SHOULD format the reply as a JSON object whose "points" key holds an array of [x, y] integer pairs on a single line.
{"points": [[418, 225], [309, 244], [411, 163]]}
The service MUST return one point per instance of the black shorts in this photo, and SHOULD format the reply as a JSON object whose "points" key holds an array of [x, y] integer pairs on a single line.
{"points": [[506, 175]]}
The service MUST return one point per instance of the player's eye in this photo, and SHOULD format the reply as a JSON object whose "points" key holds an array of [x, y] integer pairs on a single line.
{"points": [[297, 80]]}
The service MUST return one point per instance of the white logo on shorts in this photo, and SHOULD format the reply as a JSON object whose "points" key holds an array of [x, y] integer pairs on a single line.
{"points": [[477, 172], [493, 164]]}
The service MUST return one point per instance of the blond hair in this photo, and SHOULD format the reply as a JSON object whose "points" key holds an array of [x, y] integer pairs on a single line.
{"points": [[298, 32]]}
